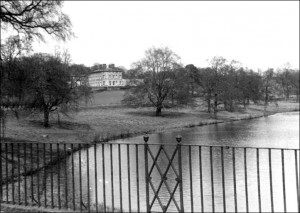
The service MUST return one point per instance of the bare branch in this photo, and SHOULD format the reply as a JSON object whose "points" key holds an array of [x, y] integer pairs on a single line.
{"points": [[34, 17]]}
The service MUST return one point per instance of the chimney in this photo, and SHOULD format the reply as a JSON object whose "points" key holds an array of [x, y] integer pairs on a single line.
{"points": [[111, 66], [104, 66]]}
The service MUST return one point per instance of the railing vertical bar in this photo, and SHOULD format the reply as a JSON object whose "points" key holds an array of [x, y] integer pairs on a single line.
{"points": [[137, 178], [96, 178], [73, 177], [120, 177], [271, 183], [258, 179], [180, 176], [12, 174], [19, 175], [297, 181], [25, 183], [128, 173], [88, 179], [6, 170], [191, 179], [58, 177], [31, 176], [147, 178], [103, 177], [246, 180], [52, 196], [112, 179], [38, 174], [212, 178], [223, 179], [283, 179], [45, 177], [1, 190], [234, 179], [201, 180], [66, 178], [80, 177]]}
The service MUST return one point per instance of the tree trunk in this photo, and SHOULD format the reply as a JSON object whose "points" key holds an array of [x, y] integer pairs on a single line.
{"points": [[230, 105], [287, 94], [208, 102], [266, 96], [58, 119], [265, 109], [192, 89], [158, 111], [216, 103], [46, 117], [225, 105], [3, 122]]}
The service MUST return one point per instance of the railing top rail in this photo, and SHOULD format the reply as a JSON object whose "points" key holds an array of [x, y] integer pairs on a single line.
{"points": [[165, 144], [205, 145]]}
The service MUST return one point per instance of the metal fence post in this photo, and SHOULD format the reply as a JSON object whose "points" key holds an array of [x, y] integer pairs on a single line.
{"points": [[1, 172], [147, 178], [178, 139]]}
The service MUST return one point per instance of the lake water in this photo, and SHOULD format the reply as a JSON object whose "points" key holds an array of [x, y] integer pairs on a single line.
{"points": [[276, 131], [216, 176], [279, 130]]}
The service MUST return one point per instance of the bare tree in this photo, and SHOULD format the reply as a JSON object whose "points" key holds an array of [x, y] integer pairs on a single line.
{"points": [[31, 18], [284, 79], [158, 67], [217, 64], [295, 82], [160, 62]]}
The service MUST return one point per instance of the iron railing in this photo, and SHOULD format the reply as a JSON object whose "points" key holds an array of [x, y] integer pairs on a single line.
{"points": [[149, 177]]}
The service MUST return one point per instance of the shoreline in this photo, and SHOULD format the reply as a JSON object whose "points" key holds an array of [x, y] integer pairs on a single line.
{"points": [[191, 125], [103, 130]]}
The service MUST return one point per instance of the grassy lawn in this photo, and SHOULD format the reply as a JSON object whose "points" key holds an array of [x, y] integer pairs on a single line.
{"points": [[103, 123], [104, 98]]}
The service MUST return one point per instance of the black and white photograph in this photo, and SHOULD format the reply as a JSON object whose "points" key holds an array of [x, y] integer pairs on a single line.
{"points": [[149, 106]]}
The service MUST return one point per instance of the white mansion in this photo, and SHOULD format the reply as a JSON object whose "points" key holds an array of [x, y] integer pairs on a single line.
{"points": [[110, 76]]}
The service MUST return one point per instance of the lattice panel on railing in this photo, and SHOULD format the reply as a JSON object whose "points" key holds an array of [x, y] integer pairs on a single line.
{"points": [[163, 178]]}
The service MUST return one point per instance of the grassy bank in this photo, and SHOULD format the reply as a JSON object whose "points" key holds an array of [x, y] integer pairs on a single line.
{"points": [[106, 123]]}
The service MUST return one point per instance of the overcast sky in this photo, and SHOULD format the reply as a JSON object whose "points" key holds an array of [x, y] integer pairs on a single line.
{"points": [[258, 34]]}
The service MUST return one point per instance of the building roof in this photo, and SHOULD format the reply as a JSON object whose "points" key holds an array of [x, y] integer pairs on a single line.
{"points": [[108, 70]]}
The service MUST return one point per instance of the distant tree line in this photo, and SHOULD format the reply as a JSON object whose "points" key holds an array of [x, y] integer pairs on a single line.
{"points": [[222, 85]]}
